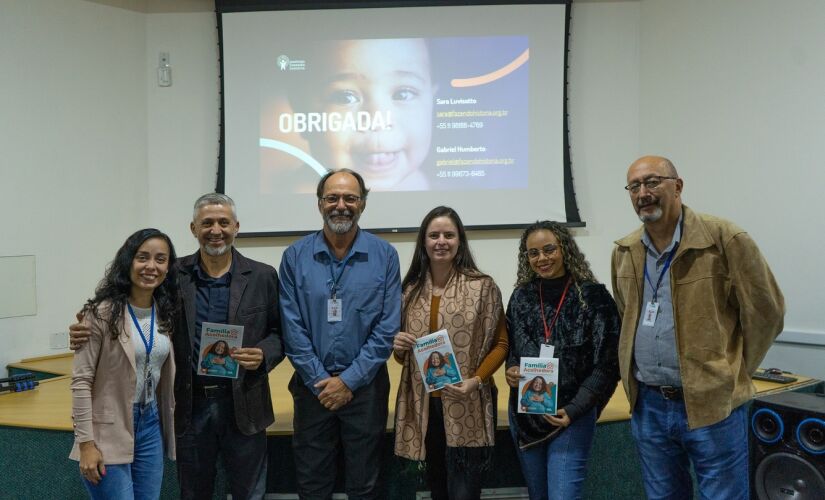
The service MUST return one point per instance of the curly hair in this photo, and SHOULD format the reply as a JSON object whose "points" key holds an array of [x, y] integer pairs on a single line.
{"points": [[214, 347], [117, 284], [575, 264], [463, 263], [544, 385]]}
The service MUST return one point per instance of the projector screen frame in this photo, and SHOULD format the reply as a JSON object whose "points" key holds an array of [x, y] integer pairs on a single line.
{"points": [[234, 6]]}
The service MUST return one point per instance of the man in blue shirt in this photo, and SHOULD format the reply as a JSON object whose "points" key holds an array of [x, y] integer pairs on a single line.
{"points": [[341, 307]]}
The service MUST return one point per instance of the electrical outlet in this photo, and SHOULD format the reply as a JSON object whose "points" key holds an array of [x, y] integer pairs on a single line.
{"points": [[59, 340]]}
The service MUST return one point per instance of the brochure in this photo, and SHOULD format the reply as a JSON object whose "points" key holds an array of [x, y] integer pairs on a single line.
{"points": [[537, 388], [436, 361], [218, 341]]}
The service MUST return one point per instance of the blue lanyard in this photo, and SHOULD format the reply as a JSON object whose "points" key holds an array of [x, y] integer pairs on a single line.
{"points": [[333, 282], [662, 274], [151, 342]]}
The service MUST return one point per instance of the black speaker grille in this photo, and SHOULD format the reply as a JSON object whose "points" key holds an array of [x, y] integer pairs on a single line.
{"points": [[782, 476]]}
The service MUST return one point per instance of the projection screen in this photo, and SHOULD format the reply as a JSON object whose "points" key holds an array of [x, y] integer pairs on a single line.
{"points": [[434, 105]]}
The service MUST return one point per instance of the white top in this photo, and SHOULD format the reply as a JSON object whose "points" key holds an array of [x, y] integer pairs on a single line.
{"points": [[160, 351]]}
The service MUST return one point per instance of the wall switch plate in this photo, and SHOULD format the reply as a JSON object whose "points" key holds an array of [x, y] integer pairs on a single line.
{"points": [[59, 340], [164, 70]]}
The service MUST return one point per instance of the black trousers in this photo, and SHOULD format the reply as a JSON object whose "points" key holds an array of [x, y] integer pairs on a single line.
{"points": [[357, 429], [447, 478], [213, 430]]}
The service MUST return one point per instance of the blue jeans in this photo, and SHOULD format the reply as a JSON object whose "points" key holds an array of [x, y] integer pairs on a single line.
{"points": [[666, 447], [142, 478], [556, 470]]}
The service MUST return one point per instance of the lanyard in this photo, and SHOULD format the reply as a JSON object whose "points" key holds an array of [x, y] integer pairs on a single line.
{"points": [[661, 275], [333, 282], [548, 332], [151, 342]]}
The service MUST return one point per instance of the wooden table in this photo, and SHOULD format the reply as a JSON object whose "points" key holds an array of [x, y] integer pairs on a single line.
{"points": [[49, 405], [54, 365]]}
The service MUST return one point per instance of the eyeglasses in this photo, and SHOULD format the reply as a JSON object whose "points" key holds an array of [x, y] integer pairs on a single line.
{"points": [[548, 251], [349, 199], [650, 183]]}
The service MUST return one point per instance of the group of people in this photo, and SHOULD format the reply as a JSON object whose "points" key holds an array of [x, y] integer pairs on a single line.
{"points": [[693, 311]]}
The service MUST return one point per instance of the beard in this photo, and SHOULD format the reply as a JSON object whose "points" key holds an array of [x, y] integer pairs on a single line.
{"points": [[650, 216], [343, 226], [216, 252]]}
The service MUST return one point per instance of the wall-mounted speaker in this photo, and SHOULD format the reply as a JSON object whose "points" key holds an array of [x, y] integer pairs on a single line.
{"points": [[787, 447]]}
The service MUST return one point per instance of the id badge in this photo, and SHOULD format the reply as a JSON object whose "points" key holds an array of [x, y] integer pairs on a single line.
{"points": [[651, 311], [547, 350], [148, 390], [334, 313]]}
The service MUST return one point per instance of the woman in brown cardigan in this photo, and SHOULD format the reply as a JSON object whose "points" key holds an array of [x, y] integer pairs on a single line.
{"points": [[122, 379], [453, 430]]}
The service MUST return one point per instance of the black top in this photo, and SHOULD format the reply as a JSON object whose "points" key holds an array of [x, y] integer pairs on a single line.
{"points": [[585, 337], [211, 306]]}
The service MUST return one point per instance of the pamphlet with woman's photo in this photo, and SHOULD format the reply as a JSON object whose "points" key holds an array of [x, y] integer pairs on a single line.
{"points": [[538, 386], [436, 361], [218, 342]]}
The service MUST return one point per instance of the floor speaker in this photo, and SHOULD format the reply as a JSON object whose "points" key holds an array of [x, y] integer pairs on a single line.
{"points": [[787, 447]]}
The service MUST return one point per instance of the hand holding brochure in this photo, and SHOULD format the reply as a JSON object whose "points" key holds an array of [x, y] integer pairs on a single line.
{"points": [[538, 386], [436, 361], [218, 342]]}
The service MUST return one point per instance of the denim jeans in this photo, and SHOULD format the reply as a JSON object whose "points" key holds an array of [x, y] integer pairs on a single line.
{"points": [[142, 478], [666, 447], [556, 470]]}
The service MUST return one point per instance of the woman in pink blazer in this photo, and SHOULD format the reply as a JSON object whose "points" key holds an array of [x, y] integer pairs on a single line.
{"points": [[122, 380]]}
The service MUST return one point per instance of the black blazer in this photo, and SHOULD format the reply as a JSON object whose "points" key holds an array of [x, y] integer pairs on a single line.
{"points": [[253, 303]]}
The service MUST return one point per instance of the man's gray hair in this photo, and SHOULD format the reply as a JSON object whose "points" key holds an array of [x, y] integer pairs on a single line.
{"points": [[214, 199]]}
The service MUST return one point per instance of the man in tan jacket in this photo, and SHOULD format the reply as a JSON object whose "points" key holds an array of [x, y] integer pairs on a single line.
{"points": [[700, 308]]}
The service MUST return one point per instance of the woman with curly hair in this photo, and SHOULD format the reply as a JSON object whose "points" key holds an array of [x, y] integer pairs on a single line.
{"points": [[122, 379], [453, 429], [558, 302]]}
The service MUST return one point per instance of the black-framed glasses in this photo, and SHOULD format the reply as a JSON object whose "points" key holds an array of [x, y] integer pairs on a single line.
{"points": [[650, 183], [547, 250], [349, 199]]}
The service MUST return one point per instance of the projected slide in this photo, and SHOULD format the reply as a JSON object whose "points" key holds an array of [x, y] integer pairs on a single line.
{"points": [[409, 114], [459, 106]]}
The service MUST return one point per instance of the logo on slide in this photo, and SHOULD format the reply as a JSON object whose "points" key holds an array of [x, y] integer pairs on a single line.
{"points": [[285, 64]]}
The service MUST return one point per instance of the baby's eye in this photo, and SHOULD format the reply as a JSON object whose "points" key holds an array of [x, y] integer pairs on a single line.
{"points": [[343, 97], [405, 94]]}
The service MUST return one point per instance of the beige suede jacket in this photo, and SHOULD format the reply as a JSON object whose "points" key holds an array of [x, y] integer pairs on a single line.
{"points": [[727, 310], [103, 388]]}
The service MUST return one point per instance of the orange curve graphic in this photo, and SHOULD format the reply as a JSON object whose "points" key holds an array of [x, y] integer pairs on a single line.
{"points": [[493, 76]]}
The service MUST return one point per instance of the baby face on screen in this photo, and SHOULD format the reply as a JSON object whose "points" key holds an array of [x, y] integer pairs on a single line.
{"points": [[391, 81]]}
